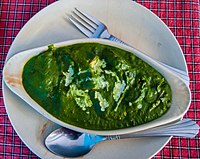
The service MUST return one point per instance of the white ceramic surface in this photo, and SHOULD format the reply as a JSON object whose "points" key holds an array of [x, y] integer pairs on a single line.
{"points": [[127, 20], [12, 76]]}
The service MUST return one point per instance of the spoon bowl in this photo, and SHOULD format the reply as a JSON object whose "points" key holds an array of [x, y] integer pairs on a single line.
{"points": [[69, 143]]}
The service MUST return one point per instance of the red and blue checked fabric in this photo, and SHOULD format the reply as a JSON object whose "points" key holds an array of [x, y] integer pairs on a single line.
{"points": [[181, 16]]}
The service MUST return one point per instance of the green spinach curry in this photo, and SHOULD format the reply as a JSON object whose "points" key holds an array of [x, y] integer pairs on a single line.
{"points": [[96, 86]]}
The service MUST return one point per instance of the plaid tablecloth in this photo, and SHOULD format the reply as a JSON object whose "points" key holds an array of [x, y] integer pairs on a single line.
{"points": [[181, 16]]}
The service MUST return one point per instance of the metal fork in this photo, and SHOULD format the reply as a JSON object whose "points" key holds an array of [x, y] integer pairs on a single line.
{"points": [[93, 28]]}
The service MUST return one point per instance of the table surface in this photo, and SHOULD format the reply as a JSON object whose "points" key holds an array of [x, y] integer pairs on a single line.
{"points": [[182, 17]]}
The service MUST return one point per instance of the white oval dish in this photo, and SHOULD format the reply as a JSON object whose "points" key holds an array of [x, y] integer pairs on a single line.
{"points": [[181, 95]]}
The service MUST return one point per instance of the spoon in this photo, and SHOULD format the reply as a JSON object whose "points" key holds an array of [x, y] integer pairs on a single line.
{"points": [[69, 143]]}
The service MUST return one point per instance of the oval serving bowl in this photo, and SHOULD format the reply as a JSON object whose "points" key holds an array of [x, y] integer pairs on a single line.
{"points": [[181, 97]]}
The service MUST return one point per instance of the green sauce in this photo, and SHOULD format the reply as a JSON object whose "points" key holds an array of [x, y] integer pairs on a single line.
{"points": [[96, 86]]}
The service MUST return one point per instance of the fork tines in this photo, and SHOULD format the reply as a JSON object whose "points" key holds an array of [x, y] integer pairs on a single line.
{"points": [[84, 22]]}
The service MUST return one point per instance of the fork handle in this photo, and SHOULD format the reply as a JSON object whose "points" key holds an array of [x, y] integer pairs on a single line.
{"points": [[113, 38]]}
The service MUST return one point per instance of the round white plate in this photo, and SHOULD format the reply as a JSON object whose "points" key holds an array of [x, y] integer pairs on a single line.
{"points": [[126, 19]]}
